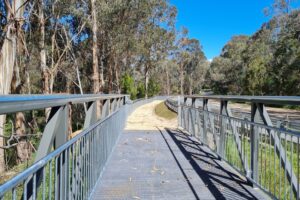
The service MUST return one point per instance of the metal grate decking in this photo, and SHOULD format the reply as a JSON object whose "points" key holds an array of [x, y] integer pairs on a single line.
{"points": [[168, 164]]}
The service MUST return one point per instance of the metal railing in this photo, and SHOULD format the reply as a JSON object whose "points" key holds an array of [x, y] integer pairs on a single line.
{"points": [[71, 169], [267, 155]]}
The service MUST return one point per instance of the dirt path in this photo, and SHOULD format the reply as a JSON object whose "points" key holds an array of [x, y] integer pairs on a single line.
{"points": [[144, 118]]}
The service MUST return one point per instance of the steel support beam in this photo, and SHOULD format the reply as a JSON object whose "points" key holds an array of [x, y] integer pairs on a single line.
{"points": [[91, 114], [205, 120], [105, 108], [254, 138], [222, 137]]}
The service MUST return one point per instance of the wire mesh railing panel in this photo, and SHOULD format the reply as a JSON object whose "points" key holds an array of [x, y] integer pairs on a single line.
{"points": [[72, 170], [268, 156]]}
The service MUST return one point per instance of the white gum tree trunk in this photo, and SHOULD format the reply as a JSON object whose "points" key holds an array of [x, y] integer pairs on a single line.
{"points": [[15, 11]]}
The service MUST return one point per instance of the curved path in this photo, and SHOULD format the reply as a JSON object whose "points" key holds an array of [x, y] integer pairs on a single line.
{"points": [[144, 118], [154, 160]]}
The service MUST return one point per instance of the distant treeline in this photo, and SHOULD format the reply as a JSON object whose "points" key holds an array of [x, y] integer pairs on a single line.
{"points": [[266, 63]]}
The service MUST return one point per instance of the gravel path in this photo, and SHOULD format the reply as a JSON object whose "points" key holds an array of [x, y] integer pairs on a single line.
{"points": [[144, 118]]}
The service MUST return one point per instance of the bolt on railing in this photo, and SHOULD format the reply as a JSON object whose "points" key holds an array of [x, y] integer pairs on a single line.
{"points": [[267, 155]]}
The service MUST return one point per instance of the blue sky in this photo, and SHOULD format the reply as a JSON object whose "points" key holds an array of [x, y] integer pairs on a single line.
{"points": [[214, 22]]}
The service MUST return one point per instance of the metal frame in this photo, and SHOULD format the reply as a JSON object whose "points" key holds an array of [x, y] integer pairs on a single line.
{"points": [[261, 131], [73, 168], [55, 137]]}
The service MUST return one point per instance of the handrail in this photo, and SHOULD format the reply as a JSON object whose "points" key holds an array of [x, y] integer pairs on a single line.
{"points": [[18, 103], [281, 100], [253, 145]]}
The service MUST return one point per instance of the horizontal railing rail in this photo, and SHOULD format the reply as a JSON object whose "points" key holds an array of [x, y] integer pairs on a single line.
{"points": [[19, 103], [267, 155]]}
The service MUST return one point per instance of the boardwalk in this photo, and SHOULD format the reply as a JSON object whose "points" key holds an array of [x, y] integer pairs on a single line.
{"points": [[168, 164]]}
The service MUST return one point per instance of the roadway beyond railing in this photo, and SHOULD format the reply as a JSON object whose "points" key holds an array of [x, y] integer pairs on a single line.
{"points": [[267, 155], [71, 170]]}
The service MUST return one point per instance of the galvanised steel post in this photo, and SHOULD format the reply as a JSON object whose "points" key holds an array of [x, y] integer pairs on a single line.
{"points": [[190, 119], [193, 117], [205, 120], [91, 114], [60, 139], [221, 143], [254, 138], [179, 112], [105, 108], [185, 112], [114, 105]]}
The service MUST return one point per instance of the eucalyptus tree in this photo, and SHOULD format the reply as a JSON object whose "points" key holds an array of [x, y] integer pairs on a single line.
{"points": [[189, 55], [284, 67], [11, 21], [155, 35], [256, 63], [96, 83], [227, 70]]}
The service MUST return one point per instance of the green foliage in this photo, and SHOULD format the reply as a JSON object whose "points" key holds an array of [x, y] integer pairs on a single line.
{"points": [[192, 65], [153, 88], [140, 90], [267, 63], [128, 86]]}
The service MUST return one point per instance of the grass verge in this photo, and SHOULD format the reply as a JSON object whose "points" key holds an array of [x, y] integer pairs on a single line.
{"points": [[162, 110]]}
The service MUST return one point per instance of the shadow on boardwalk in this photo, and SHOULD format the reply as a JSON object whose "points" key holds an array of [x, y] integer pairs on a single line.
{"points": [[222, 182], [168, 164]]}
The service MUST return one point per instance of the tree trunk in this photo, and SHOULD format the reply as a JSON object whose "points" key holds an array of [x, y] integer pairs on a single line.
{"points": [[146, 82], [110, 76], [102, 71], [117, 74], [24, 149], [45, 73], [2, 158], [95, 78], [181, 81], [190, 85], [7, 59], [43, 64], [168, 82]]}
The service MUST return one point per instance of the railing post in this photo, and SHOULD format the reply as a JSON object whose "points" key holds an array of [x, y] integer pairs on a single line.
{"points": [[126, 99], [112, 106], [194, 120], [204, 107], [179, 114], [254, 138], [190, 118], [61, 138], [105, 108], [91, 114], [185, 109], [222, 138], [56, 127], [55, 132]]}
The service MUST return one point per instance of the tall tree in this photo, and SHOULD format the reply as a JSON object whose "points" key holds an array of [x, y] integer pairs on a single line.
{"points": [[96, 83], [189, 56], [14, 15]]}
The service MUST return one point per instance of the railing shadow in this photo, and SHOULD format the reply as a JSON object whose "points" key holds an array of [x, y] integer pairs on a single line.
{"points": [[222, 183]]}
